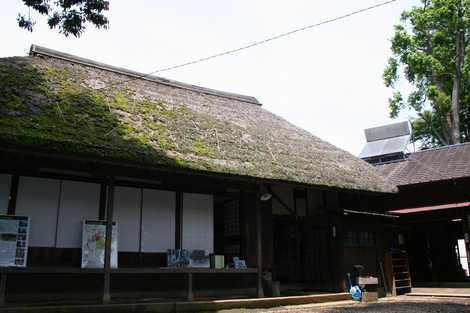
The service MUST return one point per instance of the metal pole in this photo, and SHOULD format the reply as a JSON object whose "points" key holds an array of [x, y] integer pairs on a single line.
{"points": [[107, 248]]}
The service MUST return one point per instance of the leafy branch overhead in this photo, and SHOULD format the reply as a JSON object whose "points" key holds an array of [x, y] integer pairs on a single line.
{"points": [[69, 16], [430, 48]]}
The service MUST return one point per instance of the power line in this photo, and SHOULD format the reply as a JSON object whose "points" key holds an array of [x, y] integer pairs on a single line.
{"points": [[257, 43]]}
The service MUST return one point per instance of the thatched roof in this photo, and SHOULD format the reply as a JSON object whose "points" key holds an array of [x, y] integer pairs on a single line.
{"points": [[56, 102]]}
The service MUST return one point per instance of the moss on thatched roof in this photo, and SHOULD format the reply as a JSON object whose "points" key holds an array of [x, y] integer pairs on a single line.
{"points": [[65, 105]]}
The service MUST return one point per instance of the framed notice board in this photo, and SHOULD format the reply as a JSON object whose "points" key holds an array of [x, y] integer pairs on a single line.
{"points": [[93, 243], [14, 237]]}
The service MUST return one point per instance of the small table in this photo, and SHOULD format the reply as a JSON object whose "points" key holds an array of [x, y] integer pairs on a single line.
{"points": [[369, 286]]}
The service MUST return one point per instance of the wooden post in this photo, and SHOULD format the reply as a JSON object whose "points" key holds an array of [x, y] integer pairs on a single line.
{"points": [[103, 202], [13, 195], [466, 235], [179, 220], [190, 287], [107, 248], [3, 287], [259, 246]]}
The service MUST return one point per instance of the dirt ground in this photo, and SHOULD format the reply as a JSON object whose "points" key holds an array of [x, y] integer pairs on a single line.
{"points": [[398, 304]]}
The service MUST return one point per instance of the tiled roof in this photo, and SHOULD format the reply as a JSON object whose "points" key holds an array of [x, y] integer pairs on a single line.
{"points": [[444, 163]]}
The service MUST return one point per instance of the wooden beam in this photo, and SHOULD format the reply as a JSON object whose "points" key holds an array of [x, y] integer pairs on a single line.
{"points": [[466, 227], [102, 208], [111, 166], [108, 242], [13, 195], [259, 246], [190, 287], [179, 220], [295, 203], [128, 270], [141, 210], [3, 287], [278, 199]]}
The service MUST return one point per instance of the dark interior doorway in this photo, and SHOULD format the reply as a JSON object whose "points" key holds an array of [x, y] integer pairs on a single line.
{"points": [[434, 254], [302, 253]]}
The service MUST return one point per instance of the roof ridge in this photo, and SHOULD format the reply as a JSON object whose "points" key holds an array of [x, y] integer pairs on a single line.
{"points": [[39, 50]]}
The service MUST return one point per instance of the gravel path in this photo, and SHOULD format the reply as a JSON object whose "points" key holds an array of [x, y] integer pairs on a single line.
{"points": [[398, 304]]}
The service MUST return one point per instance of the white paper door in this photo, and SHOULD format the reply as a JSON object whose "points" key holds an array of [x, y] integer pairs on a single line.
{"points": [[127, 215], [198, 222], [79, 201], [158, 220], [38, 198]]}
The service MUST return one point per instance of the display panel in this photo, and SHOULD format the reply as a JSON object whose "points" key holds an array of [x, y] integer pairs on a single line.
{"points": [[14, 233], [94, 242]]}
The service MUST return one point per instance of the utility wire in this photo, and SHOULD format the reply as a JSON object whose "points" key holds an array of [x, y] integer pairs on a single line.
{"points": [[257, 43]]}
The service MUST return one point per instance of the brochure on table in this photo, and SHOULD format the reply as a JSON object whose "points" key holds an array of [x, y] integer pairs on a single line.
{"points": [[187, 258], [93, 244], [14, 235]]}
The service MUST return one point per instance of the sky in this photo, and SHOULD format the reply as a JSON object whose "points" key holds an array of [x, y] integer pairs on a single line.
{"points": [[327, 80]]}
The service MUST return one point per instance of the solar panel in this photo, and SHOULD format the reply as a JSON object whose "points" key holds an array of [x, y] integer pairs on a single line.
{"points": [[385, 146], [386, 140], [387, 131]]}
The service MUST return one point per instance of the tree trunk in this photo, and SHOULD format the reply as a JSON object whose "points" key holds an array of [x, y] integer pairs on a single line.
{"points": [[455, 109], [454, 117]]}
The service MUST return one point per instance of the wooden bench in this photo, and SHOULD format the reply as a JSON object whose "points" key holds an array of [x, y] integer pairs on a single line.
{"points": [[189, 272]]}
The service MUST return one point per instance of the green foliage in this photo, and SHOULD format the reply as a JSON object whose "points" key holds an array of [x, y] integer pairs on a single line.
{"points": [[70, 16], [52, 109], [424, 49], [395, 104], [428, 129], [13, 83], [391, 72], [200, 148], [120, 101]]}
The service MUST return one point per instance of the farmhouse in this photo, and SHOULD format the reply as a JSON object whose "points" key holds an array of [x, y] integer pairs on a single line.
{"points": [[434, 208], [173, 166], [430, 215]]}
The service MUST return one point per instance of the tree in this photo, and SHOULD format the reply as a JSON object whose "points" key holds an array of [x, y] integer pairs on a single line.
{"points": [[70, 16], [431, 48]]}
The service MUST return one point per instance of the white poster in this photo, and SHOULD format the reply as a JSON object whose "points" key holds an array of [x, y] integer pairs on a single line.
{"points": [[14, 232], [93, 244]]}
